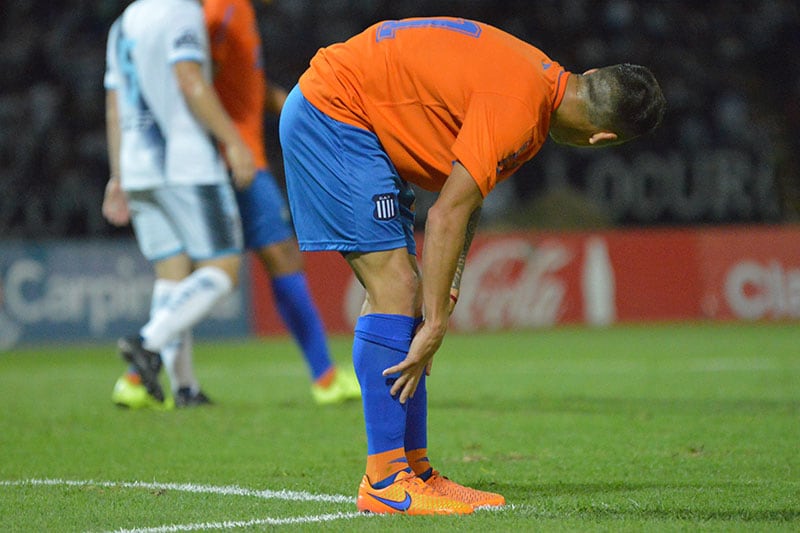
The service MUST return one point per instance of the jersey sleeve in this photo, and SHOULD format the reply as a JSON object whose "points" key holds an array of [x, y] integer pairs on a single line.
{"points": [[188, 40], [496, 131], [111, 76]]}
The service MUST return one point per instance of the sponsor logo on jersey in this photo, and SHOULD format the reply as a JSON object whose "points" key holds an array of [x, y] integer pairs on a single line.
{"points": [[188, 39]]}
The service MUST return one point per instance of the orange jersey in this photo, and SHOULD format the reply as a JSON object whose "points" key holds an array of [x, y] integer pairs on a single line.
{"points": [[238, 71], [439, 90]]}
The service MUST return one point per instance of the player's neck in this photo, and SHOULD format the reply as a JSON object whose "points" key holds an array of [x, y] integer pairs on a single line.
{"points": [[572, 110]]}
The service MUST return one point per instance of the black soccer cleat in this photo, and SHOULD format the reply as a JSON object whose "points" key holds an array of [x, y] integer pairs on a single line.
{"points": [[186, 398], [146, 363]]}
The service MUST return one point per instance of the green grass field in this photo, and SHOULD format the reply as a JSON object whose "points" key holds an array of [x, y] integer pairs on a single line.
{"points": [[645, 428]]}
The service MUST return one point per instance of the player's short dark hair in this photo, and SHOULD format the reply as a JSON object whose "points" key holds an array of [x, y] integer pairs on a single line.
{"points": [[625, 99]]}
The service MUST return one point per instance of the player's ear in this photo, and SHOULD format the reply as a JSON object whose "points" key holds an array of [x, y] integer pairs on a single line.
{"points": [[603, 137], [590, 71]]}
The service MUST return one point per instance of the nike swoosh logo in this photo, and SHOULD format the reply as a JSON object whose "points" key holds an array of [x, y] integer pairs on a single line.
{"points": [[545, 66], [401, 506]]}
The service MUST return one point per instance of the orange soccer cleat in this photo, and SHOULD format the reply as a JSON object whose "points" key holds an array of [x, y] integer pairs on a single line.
{"points": [[408, 495], [473, 497]]}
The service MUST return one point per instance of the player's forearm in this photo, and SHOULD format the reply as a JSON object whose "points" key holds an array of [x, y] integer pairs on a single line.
{"points": [[204, 103], [113, 133], [472, 226], [444, 242], [452, 222]]}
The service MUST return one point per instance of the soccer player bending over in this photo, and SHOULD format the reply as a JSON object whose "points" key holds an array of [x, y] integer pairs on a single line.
{"points": [[454, 106]]}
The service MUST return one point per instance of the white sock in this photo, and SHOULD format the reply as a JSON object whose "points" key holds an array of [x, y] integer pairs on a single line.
{"points": [[177, 358], [177, 364], [162, 288], [188, 303]]}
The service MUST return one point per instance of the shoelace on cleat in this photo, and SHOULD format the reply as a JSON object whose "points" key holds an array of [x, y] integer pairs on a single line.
{"points": [[455, 488]]}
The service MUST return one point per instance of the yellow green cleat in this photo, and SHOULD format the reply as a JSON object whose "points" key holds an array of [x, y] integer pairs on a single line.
{"points": [[131, 394], [344, 387]]}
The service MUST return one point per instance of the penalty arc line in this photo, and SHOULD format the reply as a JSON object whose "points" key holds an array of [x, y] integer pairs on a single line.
{"points": [[228, 490]]}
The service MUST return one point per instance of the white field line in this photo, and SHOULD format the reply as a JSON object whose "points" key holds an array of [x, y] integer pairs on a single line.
{"points": [[230, 524], [229, 490]]}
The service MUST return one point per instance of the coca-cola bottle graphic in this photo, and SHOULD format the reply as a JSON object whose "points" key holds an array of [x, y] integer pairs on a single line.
{"points": [[597, 281]]}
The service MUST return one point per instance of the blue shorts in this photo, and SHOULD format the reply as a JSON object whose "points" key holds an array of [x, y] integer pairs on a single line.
{"points": [[265, 215], [344, 192]]}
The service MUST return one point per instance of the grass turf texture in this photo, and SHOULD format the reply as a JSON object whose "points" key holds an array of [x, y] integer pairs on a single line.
{"points": [[654, 428]]}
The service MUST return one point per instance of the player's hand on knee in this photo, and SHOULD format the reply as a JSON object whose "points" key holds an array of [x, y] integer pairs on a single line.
{"points": [[419, 360]]}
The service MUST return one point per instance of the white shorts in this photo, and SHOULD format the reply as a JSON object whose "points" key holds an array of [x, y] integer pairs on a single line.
{"points": [[201, 221]]}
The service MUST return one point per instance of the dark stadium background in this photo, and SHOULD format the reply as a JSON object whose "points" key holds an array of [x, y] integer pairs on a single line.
{"points": [[726, 153]]}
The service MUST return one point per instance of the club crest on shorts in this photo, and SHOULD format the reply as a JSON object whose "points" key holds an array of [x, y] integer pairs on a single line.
{"points": [[385, 206]]}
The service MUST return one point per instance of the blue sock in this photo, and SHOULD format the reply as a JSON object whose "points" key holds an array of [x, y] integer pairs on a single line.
{"points": [[417, 414], [300, 315], [381, 341]]}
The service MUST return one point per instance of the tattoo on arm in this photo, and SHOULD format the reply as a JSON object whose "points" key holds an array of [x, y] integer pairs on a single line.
{"points": [[472, 226]]}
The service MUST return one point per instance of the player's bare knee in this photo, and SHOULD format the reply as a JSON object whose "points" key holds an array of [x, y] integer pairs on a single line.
{"points": [[282, 258], [396, 289], [229, 264]]}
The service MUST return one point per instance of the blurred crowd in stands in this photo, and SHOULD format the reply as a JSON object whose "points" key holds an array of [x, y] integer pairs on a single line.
{"points": [[730, 71]]}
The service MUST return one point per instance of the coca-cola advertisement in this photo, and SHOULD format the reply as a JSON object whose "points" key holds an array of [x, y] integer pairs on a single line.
{"points": [[526, 280]]}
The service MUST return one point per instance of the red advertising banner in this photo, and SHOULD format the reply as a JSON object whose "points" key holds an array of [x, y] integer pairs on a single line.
{"points": [[527, 280], [750, 274]]}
